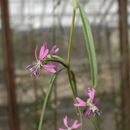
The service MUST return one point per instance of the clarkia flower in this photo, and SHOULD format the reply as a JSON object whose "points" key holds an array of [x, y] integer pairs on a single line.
{"points": [[41, 61], [74, 126], [92, 107]]}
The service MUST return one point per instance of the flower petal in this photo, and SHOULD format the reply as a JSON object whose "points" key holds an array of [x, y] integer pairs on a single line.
{"points": [[34, 69], [97, 102], [43, 52], [51, 67], [87, 113], [80, 102], [91, 93], [60, 129], [65, 120], [75, 125], [54, 50]]}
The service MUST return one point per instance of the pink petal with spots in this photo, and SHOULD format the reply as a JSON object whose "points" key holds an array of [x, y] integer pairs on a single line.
{"points": [[65, 120], [43, 52], [54, 50], [87, 113], [80, 102], [75, 125], [91, 93]]}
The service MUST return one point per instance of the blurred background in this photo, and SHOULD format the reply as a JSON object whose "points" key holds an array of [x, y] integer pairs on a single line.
{"points": [[25, 24]]}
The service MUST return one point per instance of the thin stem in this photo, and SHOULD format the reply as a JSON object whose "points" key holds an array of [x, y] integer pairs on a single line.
{"points": [[81, 118], [74, 95], [94, 124], [97, 122], [45, 102], [72, 84], [61, 61], [57, 59], [71, 35]]}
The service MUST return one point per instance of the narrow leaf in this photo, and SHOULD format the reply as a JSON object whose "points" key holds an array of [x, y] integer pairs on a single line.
{"points": [[46, 101], [89, 45]]}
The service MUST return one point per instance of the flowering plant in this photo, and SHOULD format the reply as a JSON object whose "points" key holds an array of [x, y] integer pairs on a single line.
{"points": [[91, 107], [50, 61], [41, 62], [74, 126]]}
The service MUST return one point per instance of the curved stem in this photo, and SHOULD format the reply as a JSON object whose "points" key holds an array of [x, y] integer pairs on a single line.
{"points": [[57, 59], [71, 35]]}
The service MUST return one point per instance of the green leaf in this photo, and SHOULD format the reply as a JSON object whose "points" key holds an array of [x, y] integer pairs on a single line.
{"points": [[89, 45], [46, 101]]}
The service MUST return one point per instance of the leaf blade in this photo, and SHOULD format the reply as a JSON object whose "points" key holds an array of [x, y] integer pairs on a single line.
{"points": [[89, 45]]}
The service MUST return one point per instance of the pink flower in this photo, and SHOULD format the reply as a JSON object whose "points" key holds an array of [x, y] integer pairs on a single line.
{"points": [[91, 107], [91, 93], [41, 61], [74, 126]]}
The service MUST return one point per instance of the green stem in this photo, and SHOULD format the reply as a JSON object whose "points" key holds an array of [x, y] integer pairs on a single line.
{"points": [[81, 118], [46, 101], [75, 94], [94, 124], [71, 35], [70, 73], [72, 84], [57, 59]]}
